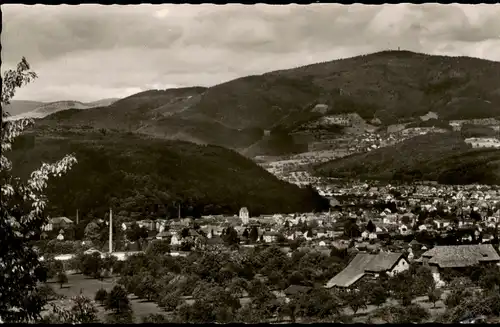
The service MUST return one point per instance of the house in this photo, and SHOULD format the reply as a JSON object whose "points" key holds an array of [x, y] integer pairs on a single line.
{"points": [[365, 264], [175, 240], [404, 229], [270, 237], [160, 225], [244, 215], [147, 223], [442, 223], [458, 257], [57, 223], [163, 235]]}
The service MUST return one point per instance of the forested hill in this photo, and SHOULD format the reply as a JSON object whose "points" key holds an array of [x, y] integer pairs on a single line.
{"points": [[445, 158], [144, 177]]}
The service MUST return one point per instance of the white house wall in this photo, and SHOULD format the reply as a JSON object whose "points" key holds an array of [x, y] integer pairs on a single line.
{"points": [[401, 266]]}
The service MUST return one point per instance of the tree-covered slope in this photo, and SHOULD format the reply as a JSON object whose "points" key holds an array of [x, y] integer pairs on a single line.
{"points": [[150, 177], [442, 157]]}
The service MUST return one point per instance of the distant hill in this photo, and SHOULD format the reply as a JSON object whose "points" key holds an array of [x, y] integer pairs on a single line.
{"points": [[31, 109], [140, 175], [441, 157], [392, 86], [17, 107]]}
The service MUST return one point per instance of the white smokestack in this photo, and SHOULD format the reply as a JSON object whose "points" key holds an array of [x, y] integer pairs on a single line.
{"points": [[110, 231]]}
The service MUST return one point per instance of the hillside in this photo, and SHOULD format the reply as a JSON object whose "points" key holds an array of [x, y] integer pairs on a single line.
{"points": [[392, 86], [17, 107], [442, 157], [140, 175], [31, 109]]}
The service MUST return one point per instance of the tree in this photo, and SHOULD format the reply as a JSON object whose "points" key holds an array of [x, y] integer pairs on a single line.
{"points": [[231, 236], [158, 248], [92, 232], [169, 301], [54, 267], [22, 206], [489, 278], [245, 233], [351, 229], [61, 279], [101, 295], [92, 265], [254, 234], [378, 295], [434, 296], [146, 288], [355, 299], [371, 227], [117, 300], [319, 304], [83, 311], [135, 233]]}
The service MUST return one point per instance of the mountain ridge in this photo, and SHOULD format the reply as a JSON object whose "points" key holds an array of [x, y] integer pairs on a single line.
{"points": [[390, 86]]}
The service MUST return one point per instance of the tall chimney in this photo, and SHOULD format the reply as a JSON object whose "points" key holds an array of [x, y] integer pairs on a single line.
{"points": [[179, 209], [110, 230], [77, 216]]}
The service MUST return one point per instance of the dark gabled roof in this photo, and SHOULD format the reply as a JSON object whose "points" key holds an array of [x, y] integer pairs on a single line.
{"points": [[450, 256], [363, 263], [383, 261]]}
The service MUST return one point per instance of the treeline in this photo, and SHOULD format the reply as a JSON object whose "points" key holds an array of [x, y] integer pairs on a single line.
{"points": [[146, 177]]}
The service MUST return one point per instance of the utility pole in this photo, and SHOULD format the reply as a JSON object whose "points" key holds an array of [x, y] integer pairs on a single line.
{"points": [[110, 230]]}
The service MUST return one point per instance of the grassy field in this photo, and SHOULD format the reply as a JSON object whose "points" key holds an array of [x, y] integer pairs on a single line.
{"points": [[90, 286]]}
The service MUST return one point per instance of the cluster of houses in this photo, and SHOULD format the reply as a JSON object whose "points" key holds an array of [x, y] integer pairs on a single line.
{"points": [[457, 257]]}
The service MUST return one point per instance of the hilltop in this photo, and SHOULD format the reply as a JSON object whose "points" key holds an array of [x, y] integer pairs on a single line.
{"points": [[34, 109], [139, 175], [445, 158], [389, 86]]}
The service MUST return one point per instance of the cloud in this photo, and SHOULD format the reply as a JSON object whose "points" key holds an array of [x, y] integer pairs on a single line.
{"points": [[89, 52]]}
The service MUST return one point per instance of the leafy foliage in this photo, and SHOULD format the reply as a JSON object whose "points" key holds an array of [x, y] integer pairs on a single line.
{"points": [[22, 205]]}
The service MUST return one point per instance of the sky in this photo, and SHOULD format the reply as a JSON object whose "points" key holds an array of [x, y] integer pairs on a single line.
{"points": [[90, 52]]}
